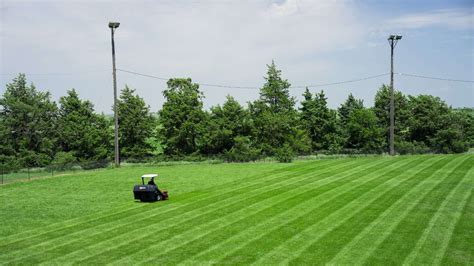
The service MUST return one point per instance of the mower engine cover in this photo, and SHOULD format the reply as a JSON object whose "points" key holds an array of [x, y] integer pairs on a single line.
{"points": [[145, 192]]}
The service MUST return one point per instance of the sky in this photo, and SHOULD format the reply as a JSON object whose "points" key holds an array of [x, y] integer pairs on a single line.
{"points": [[67, 44]]}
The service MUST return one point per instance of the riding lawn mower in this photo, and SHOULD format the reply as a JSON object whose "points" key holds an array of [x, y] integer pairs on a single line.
{"points": [[149, 192]]}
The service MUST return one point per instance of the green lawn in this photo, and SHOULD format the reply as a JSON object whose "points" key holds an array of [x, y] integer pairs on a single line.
{"points": [[375, 210]]}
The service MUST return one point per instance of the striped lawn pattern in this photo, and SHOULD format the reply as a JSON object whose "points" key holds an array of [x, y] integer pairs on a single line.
{"points": [[376, 210]]}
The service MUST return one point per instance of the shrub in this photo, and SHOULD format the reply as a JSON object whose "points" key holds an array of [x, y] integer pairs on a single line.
{"points": [[93, 164], [449, 140], [64, 160], [406, 147], [242, 151], [285, 154]]}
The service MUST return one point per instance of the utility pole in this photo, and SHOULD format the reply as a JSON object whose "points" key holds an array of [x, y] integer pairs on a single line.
{"points": [[113, 26], [392, 40]]}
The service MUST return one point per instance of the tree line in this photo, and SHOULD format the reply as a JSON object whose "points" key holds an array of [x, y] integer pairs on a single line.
{"points": [[36, 131]]}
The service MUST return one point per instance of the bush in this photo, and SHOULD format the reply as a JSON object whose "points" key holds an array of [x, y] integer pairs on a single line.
{"points": [[285, 154], [449, 140], [406, 147], [64, 160], [94, 164], [242, 151], [33, 159], [460, 146], [8, 163]]}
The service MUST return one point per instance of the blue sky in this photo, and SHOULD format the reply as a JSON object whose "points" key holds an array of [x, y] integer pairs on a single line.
{"points": [[63, 45]]}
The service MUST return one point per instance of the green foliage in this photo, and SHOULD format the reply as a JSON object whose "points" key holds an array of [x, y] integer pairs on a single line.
{"points": [[33, 130], [300, 142], [402, 113], [464, 118], [407, 147], [275, 93], [136, 125], [242, 151], [182, 117], [64, 160], [274, 116], [427, 115], [28, 124], [82, 132], [225, 123], [348, 106], [452, 136], [154, 140], [363, 131], [285, 154], [320, 122]]}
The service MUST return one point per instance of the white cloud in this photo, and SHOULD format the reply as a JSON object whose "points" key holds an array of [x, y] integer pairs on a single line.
{"points": [[210, 41], [452, 18], [223, 42]]}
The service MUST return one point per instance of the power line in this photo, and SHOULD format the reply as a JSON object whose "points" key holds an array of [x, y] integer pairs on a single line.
{"points": [[203, 84], [342, 82], [140, 74], [247, 87], [435, 78], [256, 88]]}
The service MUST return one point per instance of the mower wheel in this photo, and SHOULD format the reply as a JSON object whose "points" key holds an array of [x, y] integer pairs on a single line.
{"points": [[158, 197]]}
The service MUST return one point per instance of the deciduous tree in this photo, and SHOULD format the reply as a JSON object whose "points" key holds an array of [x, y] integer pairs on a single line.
{"points": [[182, 117]]}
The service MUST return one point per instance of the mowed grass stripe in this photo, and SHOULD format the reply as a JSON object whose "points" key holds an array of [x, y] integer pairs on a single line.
{"points": [[200, 218], [113, 215], [402, 239], [271, 207], [436, 236], [460, 249], [338, 230], [92, 241], [361, 246], [275, 237], [49, 235], [182, 198], [132, 226], [307, 242], [210, 244], [287, 224]]}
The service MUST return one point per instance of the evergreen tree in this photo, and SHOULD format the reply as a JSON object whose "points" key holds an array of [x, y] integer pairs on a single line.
{"points": [[320, 122], [135, 125], [182, 117], [28, 130], [225, 123], [275, 93], [81, 131], [274, 114], [348, 106]]}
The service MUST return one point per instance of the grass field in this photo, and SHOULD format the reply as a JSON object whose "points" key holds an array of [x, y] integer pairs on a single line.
{"points": [[375, 210]]}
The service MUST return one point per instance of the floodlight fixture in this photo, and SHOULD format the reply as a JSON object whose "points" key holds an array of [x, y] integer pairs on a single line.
{"points": [[114, 25], [394, 37]]}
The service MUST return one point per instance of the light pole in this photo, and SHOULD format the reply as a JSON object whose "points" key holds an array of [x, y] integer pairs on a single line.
{"points": [[113, 26], [392, 40]]}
